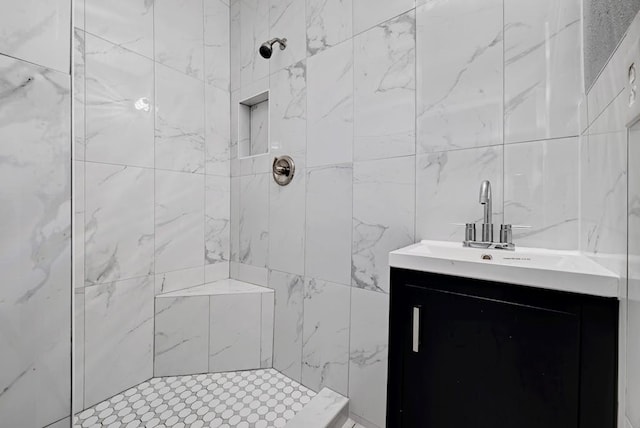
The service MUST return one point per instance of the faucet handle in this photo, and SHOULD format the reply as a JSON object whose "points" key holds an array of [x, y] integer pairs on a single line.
{"points": [[506, 234], [470, 232]]}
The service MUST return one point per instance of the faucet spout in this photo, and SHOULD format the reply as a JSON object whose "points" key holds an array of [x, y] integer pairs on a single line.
{"points": [[486, 200]]}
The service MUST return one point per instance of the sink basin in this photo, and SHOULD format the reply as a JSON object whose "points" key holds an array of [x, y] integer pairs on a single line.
{"points": [[534, 267]]}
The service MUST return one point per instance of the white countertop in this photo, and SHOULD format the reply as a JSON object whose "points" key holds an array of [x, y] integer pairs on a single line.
{"points": [[534, 267]]}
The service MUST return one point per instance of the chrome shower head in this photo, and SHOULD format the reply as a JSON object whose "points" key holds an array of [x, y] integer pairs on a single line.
{"points": [[266, 49]]}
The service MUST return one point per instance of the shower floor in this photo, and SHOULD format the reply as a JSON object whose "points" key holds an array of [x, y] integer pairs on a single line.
{"points": [[247, 399]]}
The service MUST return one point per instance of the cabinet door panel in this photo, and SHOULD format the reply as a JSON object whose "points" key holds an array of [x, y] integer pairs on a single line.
{"points": [[485, 363]]}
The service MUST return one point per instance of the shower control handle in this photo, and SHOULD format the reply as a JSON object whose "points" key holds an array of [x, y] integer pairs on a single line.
{"points": [[284, 169]]}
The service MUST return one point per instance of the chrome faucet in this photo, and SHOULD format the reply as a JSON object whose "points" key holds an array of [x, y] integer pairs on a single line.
{"points": [[486, 241], [485, 199]]}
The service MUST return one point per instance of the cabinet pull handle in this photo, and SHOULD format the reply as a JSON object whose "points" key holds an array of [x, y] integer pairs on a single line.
{"points": [[416, 329]]}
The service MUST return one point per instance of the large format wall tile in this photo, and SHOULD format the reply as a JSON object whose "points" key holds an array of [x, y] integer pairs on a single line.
{"points": [[254, 18], [542, 69], [329, 22], [179, 35], [383, 218], [119, 105], [287, 20], [180, 128], [216, 44], [35, 258], [447, 186], [217, 212], [235, 335], [330, 106], [119, 223], [79, 94], [118, 337], [329, 219], [368, 355], [367, 13], [181, 336], [459, 78], [126, 23], [235, 42], [217, 131], [288, 110], [254, 220], [603, 191], [385, 90], [78, 240], [287, 224], [287, 339], [37, 31], [325, 351], [180, 220], [542, 191]]}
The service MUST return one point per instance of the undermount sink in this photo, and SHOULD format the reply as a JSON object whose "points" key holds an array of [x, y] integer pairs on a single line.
{"points": [[568, 271]]}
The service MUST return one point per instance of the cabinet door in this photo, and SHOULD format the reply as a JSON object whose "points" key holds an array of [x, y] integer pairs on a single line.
{"points": [[483, 363]]}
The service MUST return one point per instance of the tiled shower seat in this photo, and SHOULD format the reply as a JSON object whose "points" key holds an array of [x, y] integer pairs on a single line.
{"points": [[222, 326]]}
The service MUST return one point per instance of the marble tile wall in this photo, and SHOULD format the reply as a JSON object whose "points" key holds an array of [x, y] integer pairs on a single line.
{"points": [[35, 219], [394, 112], [152, 205]]}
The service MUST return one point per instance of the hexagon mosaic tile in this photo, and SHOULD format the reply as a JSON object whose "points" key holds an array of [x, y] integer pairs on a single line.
{"points": [[248, 399]]}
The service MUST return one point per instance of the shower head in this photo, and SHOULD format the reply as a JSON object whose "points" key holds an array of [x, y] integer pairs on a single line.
{"points": [[266, 50]]}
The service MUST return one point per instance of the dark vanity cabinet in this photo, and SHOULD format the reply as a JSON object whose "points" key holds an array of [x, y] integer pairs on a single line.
{"points": [[466, 353]]}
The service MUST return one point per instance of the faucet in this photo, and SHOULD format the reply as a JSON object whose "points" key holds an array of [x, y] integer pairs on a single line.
{"points": [[486, 240], [485, 199]]}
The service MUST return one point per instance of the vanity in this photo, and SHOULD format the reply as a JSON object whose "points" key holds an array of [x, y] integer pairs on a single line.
{"points": [[485, 338]]}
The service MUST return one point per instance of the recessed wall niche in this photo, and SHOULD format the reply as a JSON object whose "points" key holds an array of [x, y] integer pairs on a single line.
{"points": [[253, 126]]}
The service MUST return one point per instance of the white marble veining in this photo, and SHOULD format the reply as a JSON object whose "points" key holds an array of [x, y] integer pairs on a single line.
{"points": [[459, 78], [561, 270], [287, 225], [329, 22], [38, 32], [385, 89], [288, 335], [254, 18], [383, 218], [368, 355], [118, 321], [325, 349], [180, 220], [217, 131], [216, 44], [78, 222], [288, 105], [79, 94], [330, 106], [168, 282], [235, 35], [287, 19], [35, 226], [179, 35], [119, 104], [254, 220], [329, 220], [180, 128], [367, 13], [126, 23], [235, 334], [217, 211], [78, 351], [542, 69], [181, 342], [259, 125], [119, 223], [603, 191], [542, 191], [447, 185]]}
